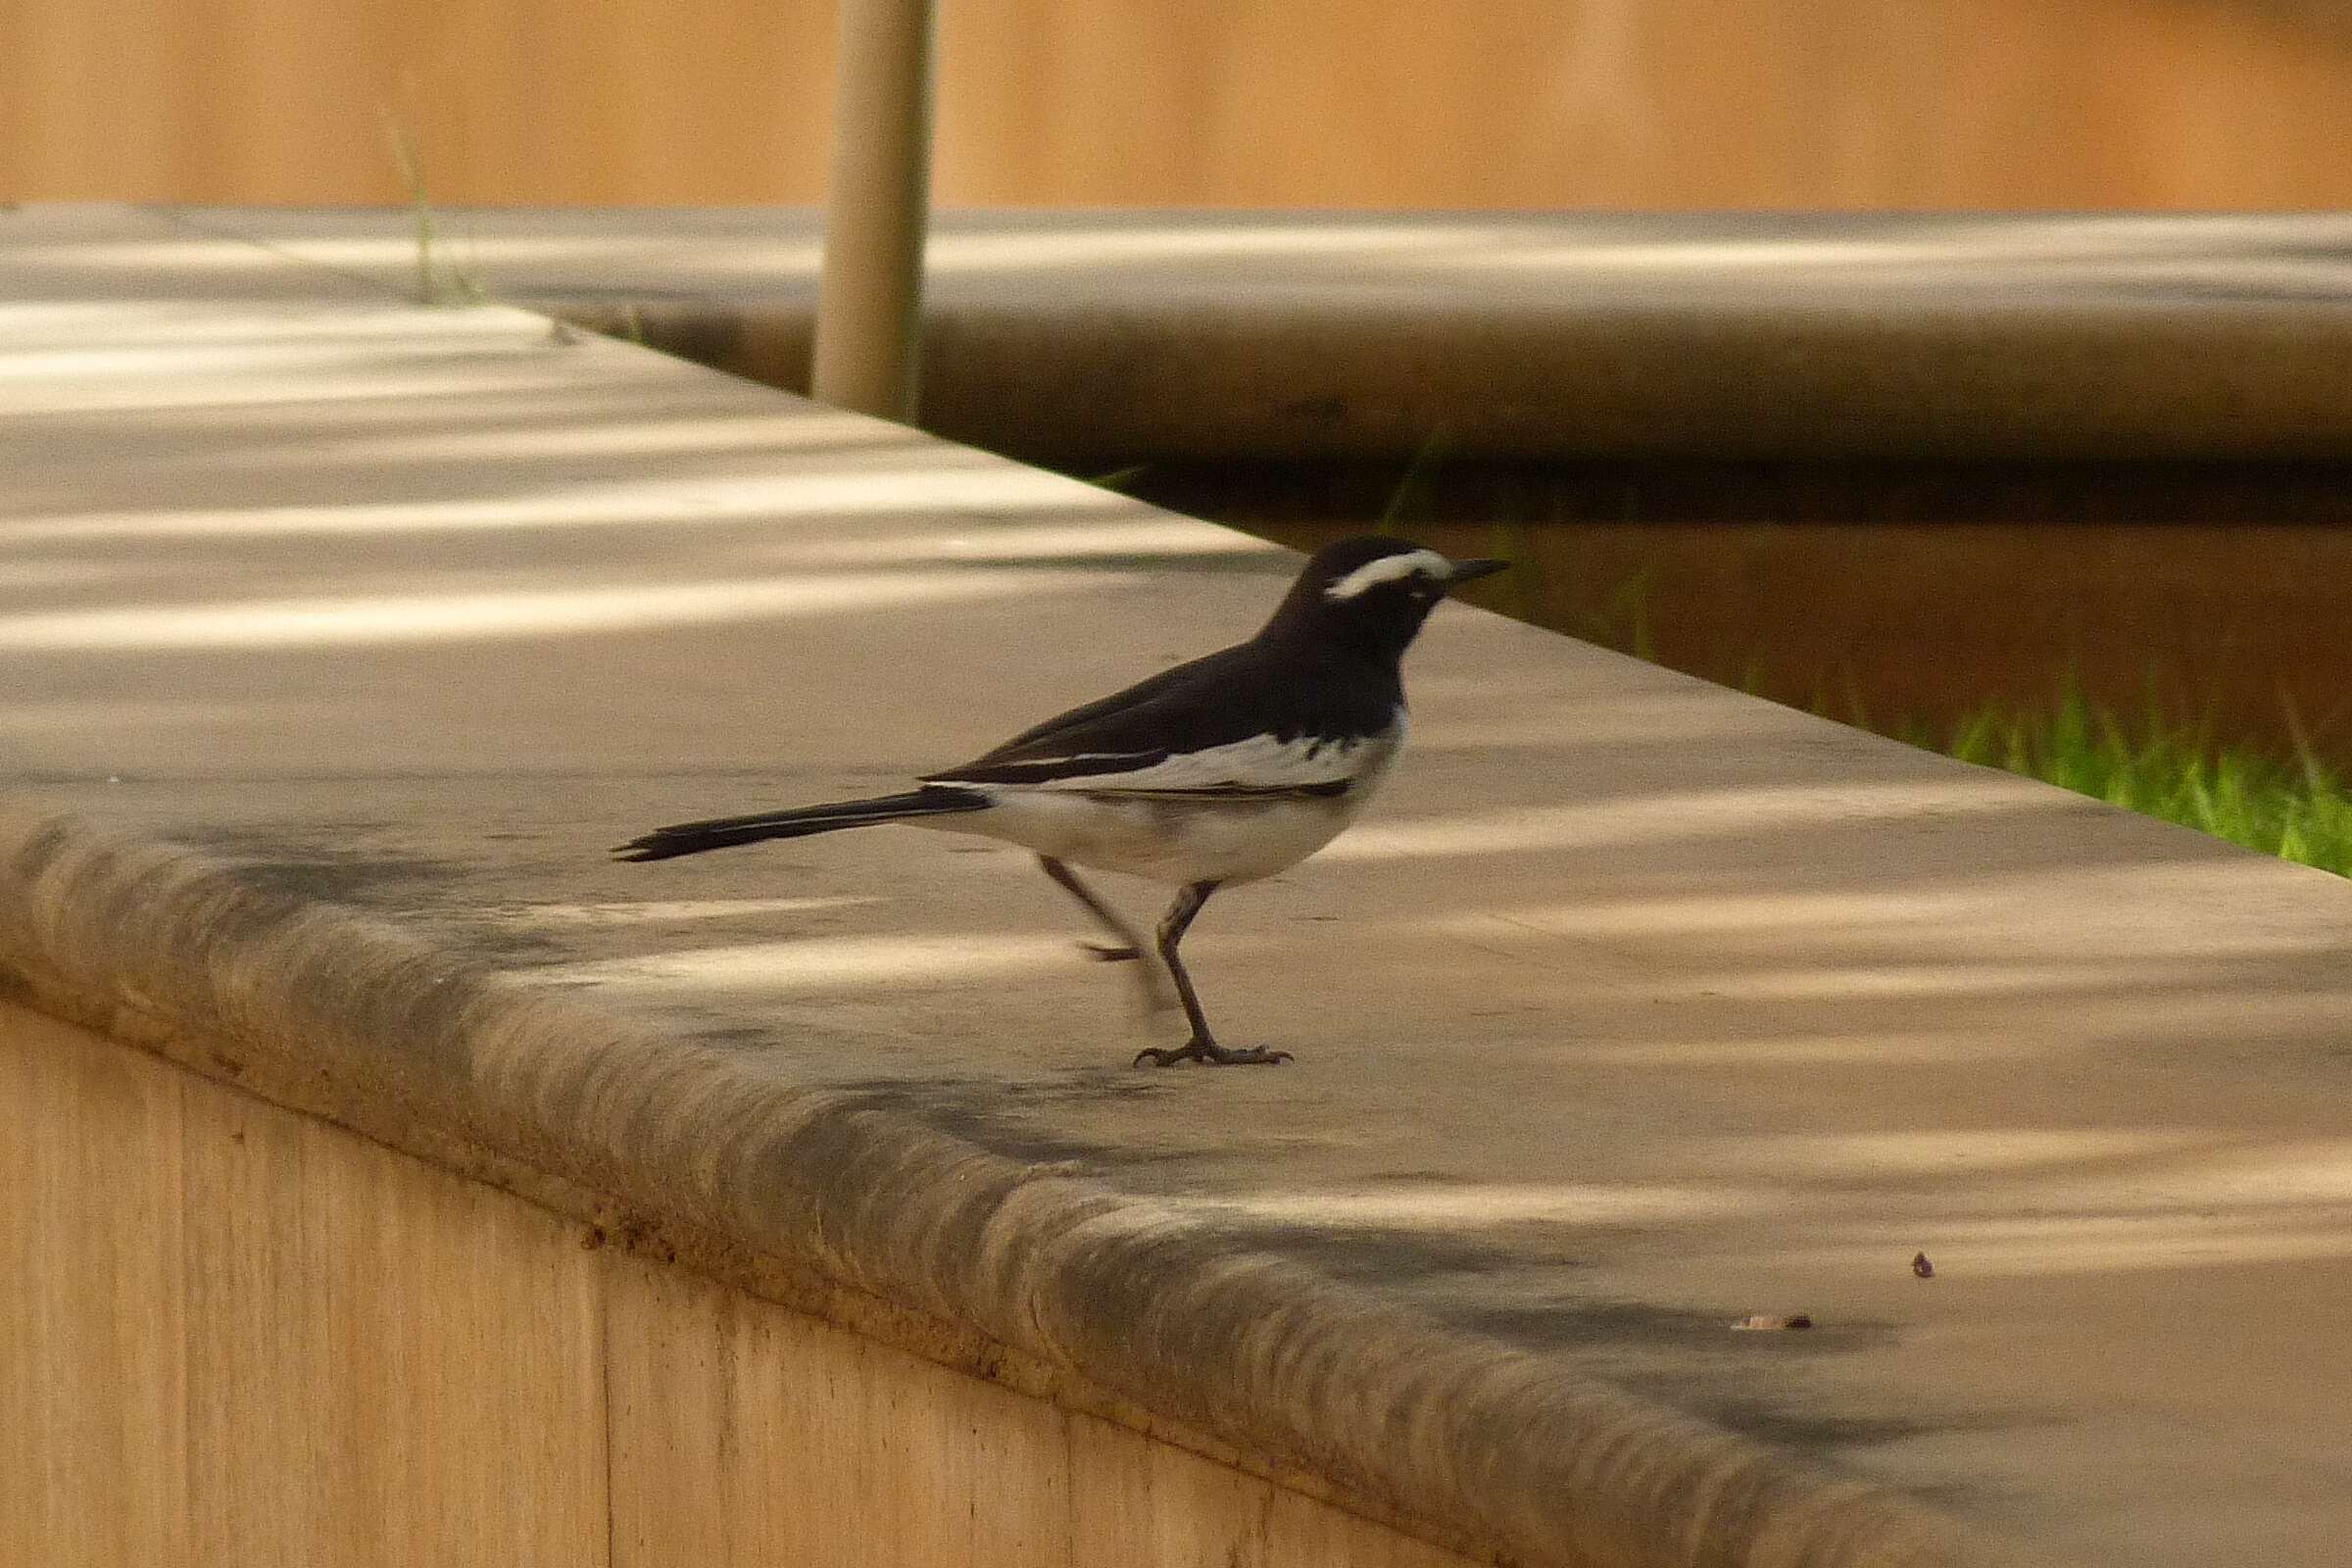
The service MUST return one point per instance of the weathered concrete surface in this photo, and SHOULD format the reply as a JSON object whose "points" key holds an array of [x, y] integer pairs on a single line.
{"points": [[1637, 1008], [1117, 336]]}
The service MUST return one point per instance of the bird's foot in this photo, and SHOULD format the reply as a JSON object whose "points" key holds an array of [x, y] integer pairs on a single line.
{"points": [[1209, 1053], [1105, 953]]}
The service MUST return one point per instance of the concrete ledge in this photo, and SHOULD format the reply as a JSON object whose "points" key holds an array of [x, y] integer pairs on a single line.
{"points": [[1638, 1007], [1119, 336], [1116, 1303]]}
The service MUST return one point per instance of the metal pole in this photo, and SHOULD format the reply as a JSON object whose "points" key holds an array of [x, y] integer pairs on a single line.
{"points": [[871, 294]]}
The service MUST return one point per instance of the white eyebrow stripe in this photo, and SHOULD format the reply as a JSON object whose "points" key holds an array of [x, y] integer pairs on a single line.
{"points": [[1388, 568]]}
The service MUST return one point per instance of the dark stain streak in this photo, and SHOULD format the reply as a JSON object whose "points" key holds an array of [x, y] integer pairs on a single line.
{"points": [[322, 862], [331, 864]]}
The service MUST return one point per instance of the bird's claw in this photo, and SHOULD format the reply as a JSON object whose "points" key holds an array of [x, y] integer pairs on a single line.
{"points": [[1105, 953], [1209, 1053]]}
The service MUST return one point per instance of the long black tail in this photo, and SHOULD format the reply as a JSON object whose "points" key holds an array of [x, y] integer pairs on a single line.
{"points": [[722, 832]]}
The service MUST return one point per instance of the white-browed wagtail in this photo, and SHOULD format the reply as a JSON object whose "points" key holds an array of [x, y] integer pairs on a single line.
{"points": [[1223, 771]]}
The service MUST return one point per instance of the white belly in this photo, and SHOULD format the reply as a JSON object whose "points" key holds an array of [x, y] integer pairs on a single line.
{"points": [[1175, 839], [1166, 840]]}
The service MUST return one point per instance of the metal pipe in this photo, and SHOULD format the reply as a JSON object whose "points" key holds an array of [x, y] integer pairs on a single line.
{"points": [[869, 294]]}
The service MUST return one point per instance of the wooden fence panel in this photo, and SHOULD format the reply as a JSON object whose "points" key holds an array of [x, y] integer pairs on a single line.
{"points": [[1372, 103]]}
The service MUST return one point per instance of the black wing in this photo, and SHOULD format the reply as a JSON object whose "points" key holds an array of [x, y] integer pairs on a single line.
{"points": [[1233, 695]]}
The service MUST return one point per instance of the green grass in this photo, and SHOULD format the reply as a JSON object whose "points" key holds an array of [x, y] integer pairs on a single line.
{"points": [[437, 281], [1413, 488], [2297, 809]]}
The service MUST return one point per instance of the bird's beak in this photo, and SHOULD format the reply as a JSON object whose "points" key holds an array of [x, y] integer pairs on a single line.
{"points": [[1465, 571]]}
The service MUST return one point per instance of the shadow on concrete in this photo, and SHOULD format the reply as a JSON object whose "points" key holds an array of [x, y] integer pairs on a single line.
{"points": [[1635, 1009]]}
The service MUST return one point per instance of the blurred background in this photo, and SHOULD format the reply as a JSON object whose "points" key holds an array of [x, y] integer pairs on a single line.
{"points": [[2070, 494], [2081, 104]]}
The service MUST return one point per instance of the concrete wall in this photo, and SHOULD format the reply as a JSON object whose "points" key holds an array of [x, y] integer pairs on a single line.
{"points": [[240, 1334], [1376, 103]]}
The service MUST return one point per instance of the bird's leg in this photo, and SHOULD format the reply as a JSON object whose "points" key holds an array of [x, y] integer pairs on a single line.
{"points": [[1203, 1047], [1130, 944]]}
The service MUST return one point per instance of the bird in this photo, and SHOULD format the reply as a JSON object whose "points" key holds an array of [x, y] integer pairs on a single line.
{"points": [[1216, 773]]}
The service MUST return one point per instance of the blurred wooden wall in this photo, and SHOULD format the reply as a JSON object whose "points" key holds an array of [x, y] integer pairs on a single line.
{"points": [[1373, 102]]}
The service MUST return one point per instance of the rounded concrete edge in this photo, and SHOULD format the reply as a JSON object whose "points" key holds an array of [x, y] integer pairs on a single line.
{"points": [[1485, 1447], [1302, 376]]}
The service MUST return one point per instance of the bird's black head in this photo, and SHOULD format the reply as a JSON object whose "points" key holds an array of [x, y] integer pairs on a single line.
{"points": [[1371, 593]]}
